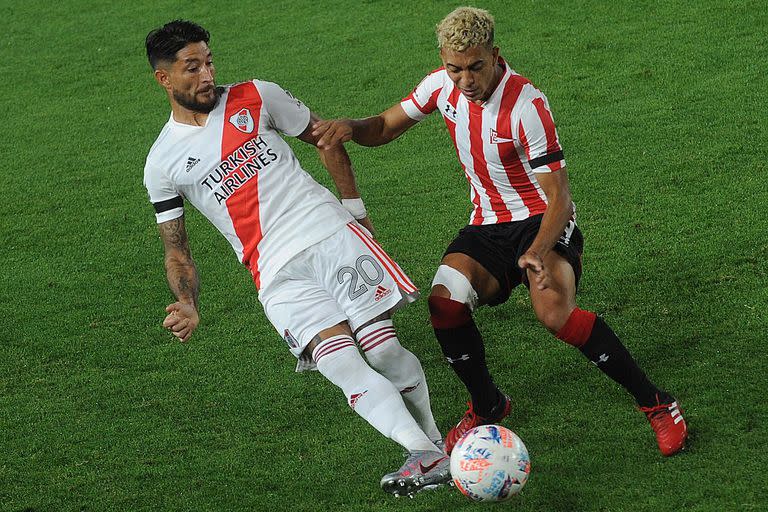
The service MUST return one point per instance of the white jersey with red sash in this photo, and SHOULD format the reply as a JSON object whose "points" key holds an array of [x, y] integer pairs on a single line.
{"points": [[501, 144], [239, 172]]}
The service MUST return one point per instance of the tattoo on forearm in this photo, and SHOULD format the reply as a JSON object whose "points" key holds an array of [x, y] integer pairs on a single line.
{"points": [[179, 266], [185, 287], [183, 281], [174, 234]]}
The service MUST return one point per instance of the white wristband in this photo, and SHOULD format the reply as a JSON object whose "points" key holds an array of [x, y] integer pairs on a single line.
{"points": [[356, 207]]}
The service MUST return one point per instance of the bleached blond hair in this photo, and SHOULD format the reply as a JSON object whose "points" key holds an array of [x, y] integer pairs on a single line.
{"points": [[464, 28]]}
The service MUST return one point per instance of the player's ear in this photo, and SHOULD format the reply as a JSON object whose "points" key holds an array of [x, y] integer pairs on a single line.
{"points": [[163, 77]]}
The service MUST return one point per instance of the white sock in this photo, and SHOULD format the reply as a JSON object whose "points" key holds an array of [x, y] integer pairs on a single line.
{"points": [[369, 394], [403, 369]]}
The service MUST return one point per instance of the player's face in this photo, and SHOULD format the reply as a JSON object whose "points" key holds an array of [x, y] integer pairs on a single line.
{"points": [[475, 71], [190, 78]]}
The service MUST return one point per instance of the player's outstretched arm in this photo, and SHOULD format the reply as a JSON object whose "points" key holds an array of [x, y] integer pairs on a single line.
{"points": [[336, 160], [371, 131], [180, 270]]}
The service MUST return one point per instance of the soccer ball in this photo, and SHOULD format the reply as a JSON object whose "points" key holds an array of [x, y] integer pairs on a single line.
{"points": [[490, 463]]}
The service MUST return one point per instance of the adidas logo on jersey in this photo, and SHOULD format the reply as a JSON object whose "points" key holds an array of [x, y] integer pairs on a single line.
{"points": [[191, 162], [381, 292]]}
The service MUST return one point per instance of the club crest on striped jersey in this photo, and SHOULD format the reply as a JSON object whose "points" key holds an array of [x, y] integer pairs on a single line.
{"points": [[242, 120], [495, 139]]}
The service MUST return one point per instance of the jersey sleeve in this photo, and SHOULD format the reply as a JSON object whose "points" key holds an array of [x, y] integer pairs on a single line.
{"points": [[423, 100], [538, 135], [287, 114], [164, 197]]}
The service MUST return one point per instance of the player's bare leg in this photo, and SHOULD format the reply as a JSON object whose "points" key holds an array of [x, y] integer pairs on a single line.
{"points": [[555, 307], [378, 401], [379, 342], [461, 284]]}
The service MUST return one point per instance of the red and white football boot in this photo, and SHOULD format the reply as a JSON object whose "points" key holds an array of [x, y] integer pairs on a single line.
{"points": [[471, 420], [669, 425]]}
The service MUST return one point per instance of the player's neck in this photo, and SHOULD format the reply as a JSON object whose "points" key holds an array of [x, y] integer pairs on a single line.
{"points": [[186, 116], [499, 73]]}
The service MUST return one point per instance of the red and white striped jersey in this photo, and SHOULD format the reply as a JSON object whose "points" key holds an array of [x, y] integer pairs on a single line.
{"points": [[239, 172], [501, 144]]}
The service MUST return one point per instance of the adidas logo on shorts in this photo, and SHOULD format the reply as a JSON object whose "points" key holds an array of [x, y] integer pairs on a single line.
{"points": [[381, 292]]}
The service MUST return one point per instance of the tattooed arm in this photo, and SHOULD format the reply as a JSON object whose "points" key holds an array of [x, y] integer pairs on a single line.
{"points": [[182, 277]]}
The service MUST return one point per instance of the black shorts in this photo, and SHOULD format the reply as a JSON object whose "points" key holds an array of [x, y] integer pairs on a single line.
{"points": [[497, 247]]}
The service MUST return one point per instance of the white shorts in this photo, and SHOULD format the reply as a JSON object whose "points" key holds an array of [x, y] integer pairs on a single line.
{"points": [[345, 278]]}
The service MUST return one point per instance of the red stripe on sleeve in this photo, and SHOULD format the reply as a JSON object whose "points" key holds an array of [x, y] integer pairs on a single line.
{"points": [[549, 132], [431, 103], [549, 125]]}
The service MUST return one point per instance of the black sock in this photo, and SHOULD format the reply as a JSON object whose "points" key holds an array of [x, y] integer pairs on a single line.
{"points": [[463, 348], [605, 350]]}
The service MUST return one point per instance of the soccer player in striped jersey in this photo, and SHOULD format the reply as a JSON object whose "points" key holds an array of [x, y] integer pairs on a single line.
{"points": [[323, 281], [522, 229]]}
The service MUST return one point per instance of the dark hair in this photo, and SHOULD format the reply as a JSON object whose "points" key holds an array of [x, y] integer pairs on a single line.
{"points": [[163, 43]]}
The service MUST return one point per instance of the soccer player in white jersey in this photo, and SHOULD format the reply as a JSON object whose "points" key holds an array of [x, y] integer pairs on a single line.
{"points": [[323, 280], [523, 226]]}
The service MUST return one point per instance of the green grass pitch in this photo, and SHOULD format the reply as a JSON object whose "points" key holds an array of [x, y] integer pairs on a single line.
{"points": [[661, 108]]}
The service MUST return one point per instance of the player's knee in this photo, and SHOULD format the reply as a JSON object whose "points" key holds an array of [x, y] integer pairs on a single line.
{"points": [[577, 328], [459, 287], [382, 353], [447, 313], [394, 360], [552, 319], [456, 309]]}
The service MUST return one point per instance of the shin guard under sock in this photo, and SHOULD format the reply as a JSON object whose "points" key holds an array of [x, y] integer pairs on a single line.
{"points": [[597, 341], [387, 356], [369, 394], [463, 348]]}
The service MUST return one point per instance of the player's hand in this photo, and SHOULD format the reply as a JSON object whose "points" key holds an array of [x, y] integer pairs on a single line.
{"points": [[182, 320], [366, 223], [533, 264], [332, 132]]}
